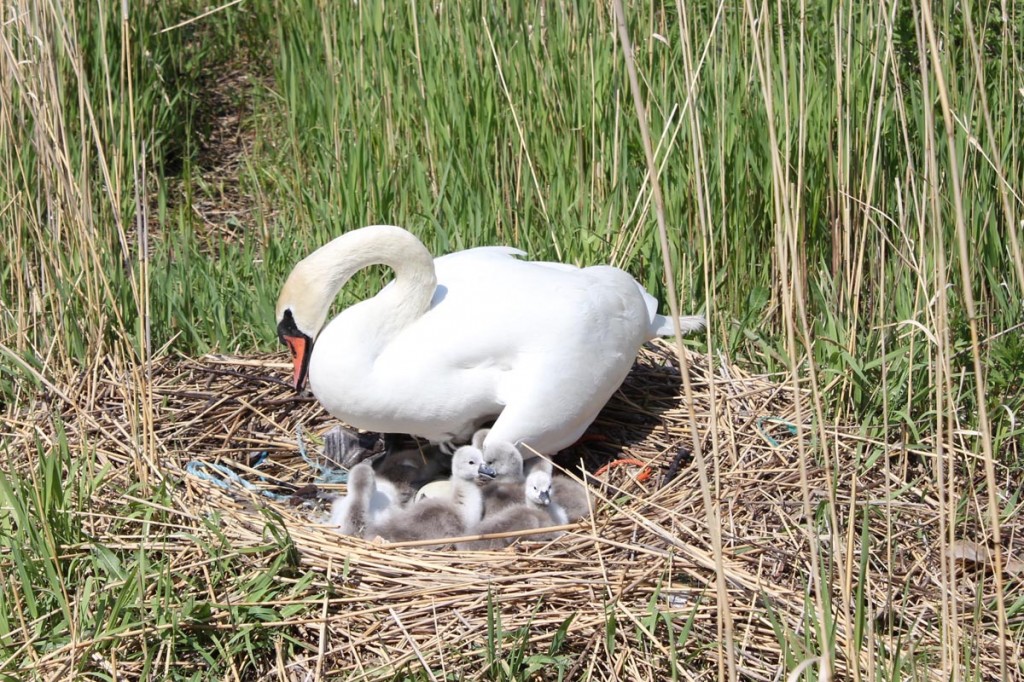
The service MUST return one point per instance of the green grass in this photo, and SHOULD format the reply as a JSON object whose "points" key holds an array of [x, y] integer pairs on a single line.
{"points": [[75, 593], [476, 125]]}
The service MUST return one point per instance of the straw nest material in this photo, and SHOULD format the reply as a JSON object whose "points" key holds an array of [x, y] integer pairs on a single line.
{"points": [[630, 593]]}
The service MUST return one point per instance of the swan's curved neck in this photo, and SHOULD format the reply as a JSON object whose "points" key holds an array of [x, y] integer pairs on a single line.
{"points": [[322, 274]]}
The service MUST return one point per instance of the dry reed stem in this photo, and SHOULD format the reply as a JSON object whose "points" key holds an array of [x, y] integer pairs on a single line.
{"points": [[726, 656]]}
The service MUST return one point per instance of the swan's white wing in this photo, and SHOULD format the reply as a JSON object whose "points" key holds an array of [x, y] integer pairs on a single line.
{"points": [[472, 257], [660, 325], [478, 253], [503, 330]]}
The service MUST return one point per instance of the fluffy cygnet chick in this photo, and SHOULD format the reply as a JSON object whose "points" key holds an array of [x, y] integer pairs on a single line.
{"points": [[440, 518], [570, 495], [442, 487], [533, 511], [364, 503], [501, 477]]}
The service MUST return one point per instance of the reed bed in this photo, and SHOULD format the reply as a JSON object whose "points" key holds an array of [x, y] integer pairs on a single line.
{"points": [[630, 592], [841, 199]]}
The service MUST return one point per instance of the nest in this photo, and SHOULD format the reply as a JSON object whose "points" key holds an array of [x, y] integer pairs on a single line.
{"points": [[633, 591]]}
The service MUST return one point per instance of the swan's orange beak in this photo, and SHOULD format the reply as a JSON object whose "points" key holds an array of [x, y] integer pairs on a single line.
{"points": [[300, 345], [300, 348]]}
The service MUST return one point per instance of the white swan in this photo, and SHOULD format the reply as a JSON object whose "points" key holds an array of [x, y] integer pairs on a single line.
{"points": [[456, 341]]}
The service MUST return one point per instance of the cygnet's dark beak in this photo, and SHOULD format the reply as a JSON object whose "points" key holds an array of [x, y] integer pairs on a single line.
{"points": [[545, 497], [486, 473]]}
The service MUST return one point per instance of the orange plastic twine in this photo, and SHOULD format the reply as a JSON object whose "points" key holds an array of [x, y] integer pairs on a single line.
{"points": [[645, 471]]}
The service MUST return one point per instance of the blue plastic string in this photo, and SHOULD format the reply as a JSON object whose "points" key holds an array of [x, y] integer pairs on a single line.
{"points": [[227, 479], [327, 472], [223, 477]]}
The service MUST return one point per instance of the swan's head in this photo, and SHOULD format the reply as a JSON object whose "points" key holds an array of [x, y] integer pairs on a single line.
{"points": [[307, 295], [301, 313]]}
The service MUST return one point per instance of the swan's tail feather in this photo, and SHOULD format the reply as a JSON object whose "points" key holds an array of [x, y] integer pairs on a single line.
{"points": [[688, 324], [662, 325]]}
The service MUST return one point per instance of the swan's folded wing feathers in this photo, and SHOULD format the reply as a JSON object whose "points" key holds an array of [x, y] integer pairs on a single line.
{"points": [[477, 254], [687, 325]]}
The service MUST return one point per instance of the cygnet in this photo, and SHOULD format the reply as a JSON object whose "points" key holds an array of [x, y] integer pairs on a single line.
{"points": [[364, 503], [502, 477], [440, 518], [478, 438], [442, 488], [571, 495], [533, 511]]}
